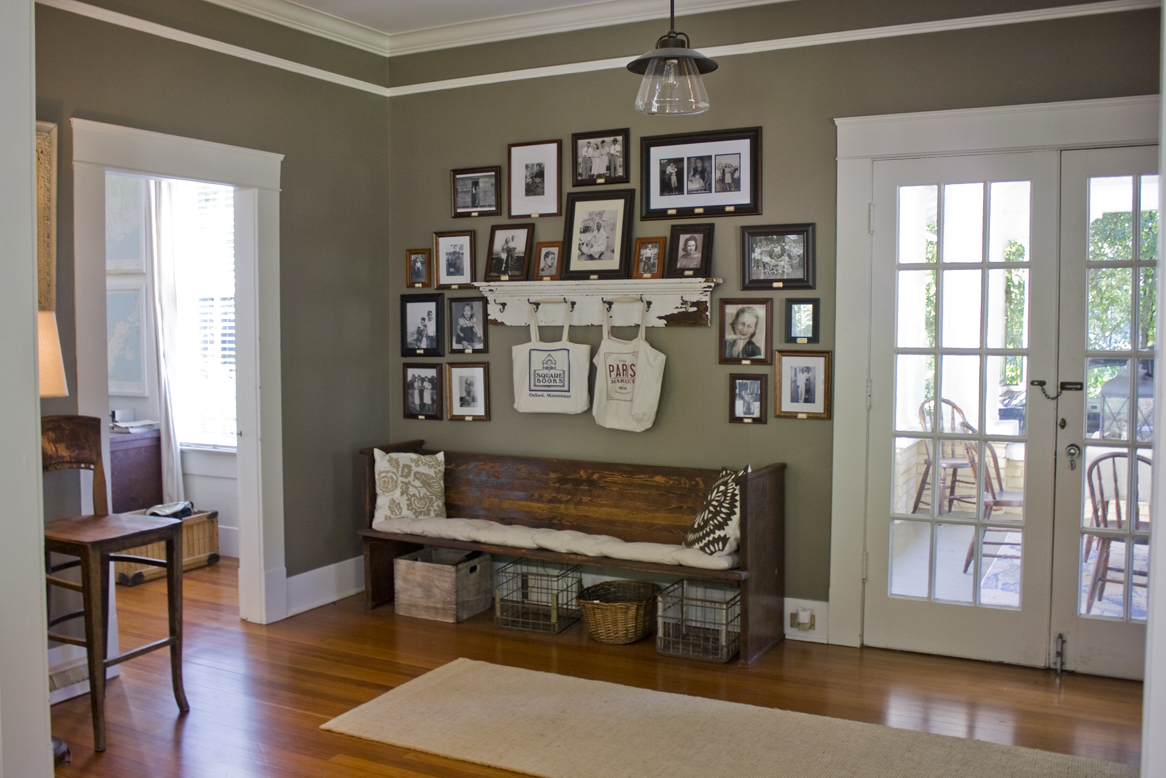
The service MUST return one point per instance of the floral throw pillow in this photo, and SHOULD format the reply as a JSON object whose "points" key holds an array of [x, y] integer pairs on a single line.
{"points": [[717, 529], [410, 485]]}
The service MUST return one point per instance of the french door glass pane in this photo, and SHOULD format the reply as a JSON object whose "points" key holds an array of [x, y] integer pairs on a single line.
{"points": [[1103, 565], [918, 206], [1000, 566], [913, 477], [1147, 307], [1111, 206], [915, 308], [1008, 308], [1008, 221], [1003, 488], [914, 382], [1140, 580], [1109, 309], [1107, 381], [960, 383], [910, 552], [963, 222], [954, 545], [1005, 395], [1143, 477], [1148, 250], [961, 308]]}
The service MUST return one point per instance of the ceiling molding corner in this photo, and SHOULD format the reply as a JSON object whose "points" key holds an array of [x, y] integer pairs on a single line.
{"points": [[309, 20]]}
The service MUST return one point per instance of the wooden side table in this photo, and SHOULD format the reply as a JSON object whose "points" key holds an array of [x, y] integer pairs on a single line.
{"points": [[95, 541]]}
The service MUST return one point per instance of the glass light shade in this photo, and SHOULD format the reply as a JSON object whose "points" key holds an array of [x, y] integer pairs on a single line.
{"points": [[672, 87], [52, 365]]}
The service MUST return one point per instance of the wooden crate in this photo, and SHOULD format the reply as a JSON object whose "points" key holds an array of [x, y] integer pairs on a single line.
{"points": [[442, 584], [200, 547]]}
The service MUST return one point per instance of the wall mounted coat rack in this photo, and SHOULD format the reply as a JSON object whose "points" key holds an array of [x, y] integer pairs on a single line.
{"points": [[672, 302]]}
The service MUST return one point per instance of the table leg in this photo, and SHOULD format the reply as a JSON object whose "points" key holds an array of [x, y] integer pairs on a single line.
{"points": [[174, 601]]}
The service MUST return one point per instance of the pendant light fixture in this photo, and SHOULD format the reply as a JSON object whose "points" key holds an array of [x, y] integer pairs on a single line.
{"points": [[671, 71]]}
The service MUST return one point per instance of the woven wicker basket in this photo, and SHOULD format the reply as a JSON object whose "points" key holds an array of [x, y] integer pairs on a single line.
{"points": [[619, 611]]}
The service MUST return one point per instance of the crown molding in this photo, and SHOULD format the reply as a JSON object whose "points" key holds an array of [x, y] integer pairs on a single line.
{"points": [[579, 17]]}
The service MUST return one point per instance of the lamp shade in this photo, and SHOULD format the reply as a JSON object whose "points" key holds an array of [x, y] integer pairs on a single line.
{"points": [[672, 85], [52, 364]]}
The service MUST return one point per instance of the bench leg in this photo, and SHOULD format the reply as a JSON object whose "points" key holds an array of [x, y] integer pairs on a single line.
{"points": [[378, 569]]}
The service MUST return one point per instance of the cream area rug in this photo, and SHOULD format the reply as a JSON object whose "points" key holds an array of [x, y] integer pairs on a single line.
{"points": [[556, 726]]}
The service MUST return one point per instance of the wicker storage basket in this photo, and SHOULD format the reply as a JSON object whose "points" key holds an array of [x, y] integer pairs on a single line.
{"points": [[619, 611]]}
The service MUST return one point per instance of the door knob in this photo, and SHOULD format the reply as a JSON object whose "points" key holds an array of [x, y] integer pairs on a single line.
{"points": [[1072, 451]]}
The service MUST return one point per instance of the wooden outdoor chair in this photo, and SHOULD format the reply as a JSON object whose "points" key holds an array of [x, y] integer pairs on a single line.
{"points": [[993, 495], [1107, 479], [946, 417], [74, 443]]}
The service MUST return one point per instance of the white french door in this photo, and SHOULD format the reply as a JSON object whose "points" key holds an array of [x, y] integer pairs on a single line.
{"points": [[1012, 407], [960, 498], [1108, 314]]}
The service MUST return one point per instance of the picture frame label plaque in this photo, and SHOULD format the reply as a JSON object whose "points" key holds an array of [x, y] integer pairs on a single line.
{"points": [[698, 210], [420, 351], [746, 361], [803, 416], [730, 208], [746, 421], [671, 211], [535, 215], [601, 180], [803, 340], [503, 278]]}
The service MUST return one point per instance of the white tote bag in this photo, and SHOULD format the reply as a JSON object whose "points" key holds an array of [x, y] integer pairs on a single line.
{"points": [[550, 377], [629, 374]]}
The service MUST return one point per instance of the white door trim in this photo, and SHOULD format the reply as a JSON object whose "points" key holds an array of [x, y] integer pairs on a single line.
{"points": [[255, 174], [861, 140]]}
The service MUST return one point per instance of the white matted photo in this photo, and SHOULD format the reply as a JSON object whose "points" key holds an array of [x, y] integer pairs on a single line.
{"points": [[803, 384], [536, 178], [468, 391], [453, 258]]}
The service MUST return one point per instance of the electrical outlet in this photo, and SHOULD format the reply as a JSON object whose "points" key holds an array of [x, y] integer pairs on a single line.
{"points": [[808, 626]]}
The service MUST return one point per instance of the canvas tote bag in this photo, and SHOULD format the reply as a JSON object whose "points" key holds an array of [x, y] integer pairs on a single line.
{"points": [[550, 377], [627, 381]]}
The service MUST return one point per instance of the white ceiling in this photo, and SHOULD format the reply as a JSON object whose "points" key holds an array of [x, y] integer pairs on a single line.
{"points": [[394, 27]]}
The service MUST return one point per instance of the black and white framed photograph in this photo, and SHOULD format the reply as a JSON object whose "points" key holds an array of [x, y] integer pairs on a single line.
{"points": [[778, 256], [801, 319], [746, 329], [510, 249], [599, 157], [468, 397], [422, 325], [453, 259], [548, 264], [468, 332], [690, 251], [747, 397], [475, 191], [422, 385], [597, 234], [418, 271], [803, 384], [689, 175], [536, 178], [649, 258]]}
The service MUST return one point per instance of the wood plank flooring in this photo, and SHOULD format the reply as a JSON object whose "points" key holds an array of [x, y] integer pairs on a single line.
{"points": [[258, 694]]}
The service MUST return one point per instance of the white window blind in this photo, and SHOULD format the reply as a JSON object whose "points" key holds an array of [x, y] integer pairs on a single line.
{"points": [[204, 280]]}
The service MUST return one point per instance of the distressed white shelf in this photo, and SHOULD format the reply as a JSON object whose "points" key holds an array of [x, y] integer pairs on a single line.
{"points": [[673, 302]]}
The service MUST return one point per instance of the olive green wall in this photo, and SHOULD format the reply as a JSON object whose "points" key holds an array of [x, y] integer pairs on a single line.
{"points": [[333, 231], [794, 96]]}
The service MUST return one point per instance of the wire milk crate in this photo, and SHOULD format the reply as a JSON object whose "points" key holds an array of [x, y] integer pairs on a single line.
{"points": [[699, 620], [537, 596]]}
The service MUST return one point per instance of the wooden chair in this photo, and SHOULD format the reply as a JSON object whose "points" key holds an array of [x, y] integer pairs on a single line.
{"points": [[1107, 479], [994, 496], [946, 417], [74, 443]]}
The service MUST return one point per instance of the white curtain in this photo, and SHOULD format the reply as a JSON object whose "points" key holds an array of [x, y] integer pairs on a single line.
{"points": [[165, 323]]}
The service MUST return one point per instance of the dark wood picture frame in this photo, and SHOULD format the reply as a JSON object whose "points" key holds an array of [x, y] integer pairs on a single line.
{"points": [[690, 175], [778, 256], [443, 274], [502, 261], [811, 370], [418, 268], [578, 224], [617, 170], [458, 344], [681, 263], [758, 346], [538, 266], [523, 160], [414, 396], [415, 325], [649, 258], [466, 196], [747, 406], [795, 330], [455, 395]]}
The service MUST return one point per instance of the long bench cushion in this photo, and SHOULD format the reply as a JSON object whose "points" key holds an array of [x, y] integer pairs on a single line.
{"points": [[562, 541]]}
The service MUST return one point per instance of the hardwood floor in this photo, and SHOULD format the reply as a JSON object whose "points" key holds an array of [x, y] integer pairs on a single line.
{"points": [[258, 694]]}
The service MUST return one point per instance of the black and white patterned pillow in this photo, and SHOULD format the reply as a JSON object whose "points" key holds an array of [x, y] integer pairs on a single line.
{"points": [[717, 529]]}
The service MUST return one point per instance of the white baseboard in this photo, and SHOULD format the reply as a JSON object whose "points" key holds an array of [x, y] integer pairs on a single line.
{"points": [[229, 541], [820, 612], [324, 585], [69, 673]]}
